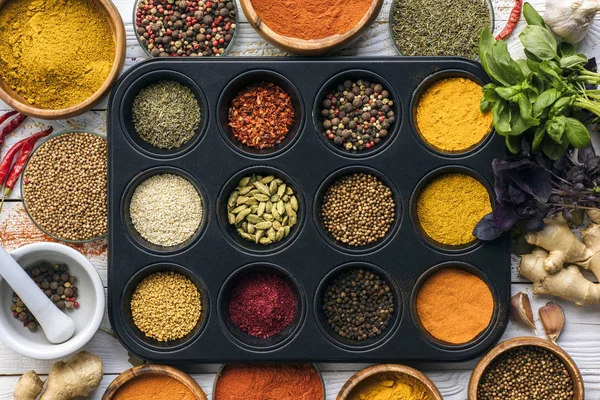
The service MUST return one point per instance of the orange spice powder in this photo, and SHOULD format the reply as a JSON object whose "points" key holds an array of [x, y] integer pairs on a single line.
{"points": [[155, 387], [310, 19], [454, 305]]}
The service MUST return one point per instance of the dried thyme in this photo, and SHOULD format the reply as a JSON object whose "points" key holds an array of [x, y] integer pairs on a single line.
{"points": [[439, 27], [166, 114]]}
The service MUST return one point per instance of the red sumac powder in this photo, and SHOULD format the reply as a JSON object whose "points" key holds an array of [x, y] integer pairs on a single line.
{"points": [[262, 305], [261, 115]]}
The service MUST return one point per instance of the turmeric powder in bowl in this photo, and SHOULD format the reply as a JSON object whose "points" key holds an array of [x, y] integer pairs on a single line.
{"points": [[448, 116], [391, 385], [454, 305], [449, 207]]}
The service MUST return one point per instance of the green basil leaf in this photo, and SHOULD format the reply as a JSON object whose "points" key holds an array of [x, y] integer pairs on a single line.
{"points": [[513, 144], [509, 93], [524, 67], [489, 92], [485, 105], [540, 132], [566, 49], [573, 61], [577, 134], [486, 43], [501, 117], [561, 106], [518, 123], [534, 66], [531, 57], [555, 128], [503, 68], [532, 16], [539, 42], [553, 150], [545, 100], [526, 110]]}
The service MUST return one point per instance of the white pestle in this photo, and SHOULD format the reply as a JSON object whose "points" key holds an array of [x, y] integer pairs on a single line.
{"points": [[57, 326]]}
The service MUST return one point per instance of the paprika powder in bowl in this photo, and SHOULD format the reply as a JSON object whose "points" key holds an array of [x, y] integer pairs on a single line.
{"points": [[310, 27]]}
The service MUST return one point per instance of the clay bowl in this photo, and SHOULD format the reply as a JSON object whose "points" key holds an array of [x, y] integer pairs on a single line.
{"points": [[316, 46], [357, 378], [579, 393], [17, 102], [154, 369]]}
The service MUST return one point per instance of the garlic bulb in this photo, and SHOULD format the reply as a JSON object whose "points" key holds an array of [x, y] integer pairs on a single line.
{"points": [[571, 20]]}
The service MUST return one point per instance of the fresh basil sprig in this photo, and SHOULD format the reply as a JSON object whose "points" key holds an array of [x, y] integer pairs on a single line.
{"points": [[542, 97]]}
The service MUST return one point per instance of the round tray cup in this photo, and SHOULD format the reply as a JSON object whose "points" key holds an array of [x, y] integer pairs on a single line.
{"points": [[483, 364], [42, 143], [366, 373], [414, 104], [126, 214], [137, 335], [148, 370], [126, 115], [414, 199], [328, 331], [354, 75], [16, 101], [241, 338], [222, 367], [312, 47], [240, 83]]}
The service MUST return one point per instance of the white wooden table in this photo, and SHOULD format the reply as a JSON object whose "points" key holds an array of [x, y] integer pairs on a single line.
{"points": [[581, 337]]}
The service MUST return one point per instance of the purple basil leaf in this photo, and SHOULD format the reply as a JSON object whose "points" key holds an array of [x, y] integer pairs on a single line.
{"points": [[486, 229], [535, 181], [583, 155], [534, 225], [505, 216], [515, 194]]}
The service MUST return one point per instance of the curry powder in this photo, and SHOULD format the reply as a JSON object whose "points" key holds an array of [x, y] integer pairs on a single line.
{"points": [[389, 386], [448, 116], [450, 206], [55, 53]]}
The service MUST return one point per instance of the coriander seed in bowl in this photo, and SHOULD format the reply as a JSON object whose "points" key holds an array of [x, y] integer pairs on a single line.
{"points": [[64, 186]]}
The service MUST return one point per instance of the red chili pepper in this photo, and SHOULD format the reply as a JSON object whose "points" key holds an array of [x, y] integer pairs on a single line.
{"points": [[11, 126], [28, 145], [515, 14], [7, 161], [6, 116]]}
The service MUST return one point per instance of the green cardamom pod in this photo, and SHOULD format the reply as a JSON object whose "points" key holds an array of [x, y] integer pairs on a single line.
{"points": [[261, 197], [241, 200], [239, 209], [233, 199], [273, 187], [245, 189], [294, 203], [261, 208], [250, 228], [254, 219], [262, 187], [277, 225], [264, 225], [244, 181], [280, 207], [267, 179], [289, 191], [242, 215], [268, 217], [231, 218], [280, 234], [265, 241], [259, 234], [251, 202], [275, 198], [281, 190], [271, 234]]}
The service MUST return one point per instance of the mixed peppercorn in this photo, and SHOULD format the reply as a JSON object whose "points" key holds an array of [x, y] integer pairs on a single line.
{"points": [[185, 28], [56, 283], [357, 115]]}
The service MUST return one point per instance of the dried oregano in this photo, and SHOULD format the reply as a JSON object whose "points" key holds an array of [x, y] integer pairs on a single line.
{"points": [[166, 114]]}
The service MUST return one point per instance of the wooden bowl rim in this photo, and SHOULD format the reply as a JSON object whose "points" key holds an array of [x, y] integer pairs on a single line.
{"points": [[368, 372], [115, 21], [153, 369], [309, 45], [574, 372]]}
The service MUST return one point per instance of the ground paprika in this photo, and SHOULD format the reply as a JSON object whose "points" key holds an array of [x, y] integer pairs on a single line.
{"points": [[310, 19], [269, 382]]}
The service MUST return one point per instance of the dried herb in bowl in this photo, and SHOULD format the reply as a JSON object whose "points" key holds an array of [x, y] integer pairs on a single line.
{"points": [[439, 27], [166, 114]]}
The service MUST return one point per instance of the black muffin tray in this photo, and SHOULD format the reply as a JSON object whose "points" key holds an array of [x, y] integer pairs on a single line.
{"points": [[308, 257]]}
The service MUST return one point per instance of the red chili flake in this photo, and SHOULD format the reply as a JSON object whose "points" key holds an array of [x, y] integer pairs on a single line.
{"points": [[262, 305], [261, 115]]}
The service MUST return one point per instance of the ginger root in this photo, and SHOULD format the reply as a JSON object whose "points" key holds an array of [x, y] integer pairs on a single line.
{"points": [[554, 267], [77, 377], [28, 387]]}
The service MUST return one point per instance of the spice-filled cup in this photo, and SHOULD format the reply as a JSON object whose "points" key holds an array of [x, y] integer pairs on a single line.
{"points": [[446, 117], [185, 30], [261, 210], [347, 231], [141, 112], [250, 321], [447, 204], [150, 284], [447, 286], [357, 113], [49, 181], [377, 330], [238, 112]]}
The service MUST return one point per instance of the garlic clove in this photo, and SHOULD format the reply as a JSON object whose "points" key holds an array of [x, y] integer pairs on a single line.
{"points": [[553, 320], [521, 310]]}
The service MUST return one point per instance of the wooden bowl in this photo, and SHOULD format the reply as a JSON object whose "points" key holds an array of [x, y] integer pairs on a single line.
{"points": [[574, 373], [315, 46], [16, 101], [153, 369], [360, 376]]}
